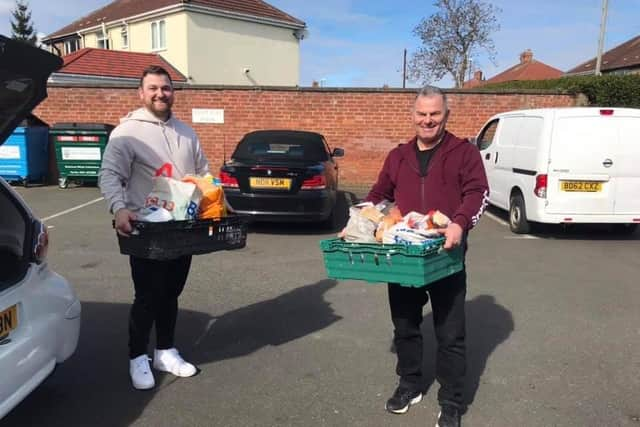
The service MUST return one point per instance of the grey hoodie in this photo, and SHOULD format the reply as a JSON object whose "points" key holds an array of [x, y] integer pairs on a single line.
{"points": [[141, 147]]}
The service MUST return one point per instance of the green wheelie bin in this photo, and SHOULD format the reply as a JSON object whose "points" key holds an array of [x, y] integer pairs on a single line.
{"points": [[79, 148]]}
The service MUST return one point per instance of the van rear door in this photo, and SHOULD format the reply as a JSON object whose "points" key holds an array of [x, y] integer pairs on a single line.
{"points": [[627, 163], [586, 162]]}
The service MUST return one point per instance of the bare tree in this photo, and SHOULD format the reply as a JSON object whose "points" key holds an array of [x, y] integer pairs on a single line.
{"points": [[451, 38]]}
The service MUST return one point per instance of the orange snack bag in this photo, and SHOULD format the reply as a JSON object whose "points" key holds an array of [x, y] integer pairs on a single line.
{"points": [[212, 204]]}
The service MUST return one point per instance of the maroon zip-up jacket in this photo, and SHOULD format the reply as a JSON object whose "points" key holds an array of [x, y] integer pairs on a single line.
{"points": [[455, 182]]}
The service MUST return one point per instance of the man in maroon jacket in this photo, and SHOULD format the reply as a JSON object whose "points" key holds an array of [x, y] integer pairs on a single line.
{"points": [[434, 170]]}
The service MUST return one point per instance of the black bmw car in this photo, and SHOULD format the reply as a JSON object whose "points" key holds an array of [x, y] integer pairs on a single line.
{"points": [[283, 175]]}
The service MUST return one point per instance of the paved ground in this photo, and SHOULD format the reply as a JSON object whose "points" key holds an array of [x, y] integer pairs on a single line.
{"points": [[553, 325]]}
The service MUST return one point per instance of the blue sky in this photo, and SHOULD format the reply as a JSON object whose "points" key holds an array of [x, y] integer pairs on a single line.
{"points": [[360, 42]]}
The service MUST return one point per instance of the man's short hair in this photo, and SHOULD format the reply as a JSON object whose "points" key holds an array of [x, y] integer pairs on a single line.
{"points": [[155, 69], [429, 90]]}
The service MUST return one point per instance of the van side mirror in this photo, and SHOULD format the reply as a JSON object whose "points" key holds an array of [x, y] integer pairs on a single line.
{"points": [[337, 152]]}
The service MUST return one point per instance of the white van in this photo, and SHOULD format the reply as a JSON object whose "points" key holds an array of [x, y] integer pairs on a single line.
{"points": [[564, 165]]}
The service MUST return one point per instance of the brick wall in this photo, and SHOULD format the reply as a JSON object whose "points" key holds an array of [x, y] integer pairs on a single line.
{"points": [[366, 123]]}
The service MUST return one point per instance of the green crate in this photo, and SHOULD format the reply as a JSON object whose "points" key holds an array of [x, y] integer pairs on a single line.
{"points": [[408, 265]]}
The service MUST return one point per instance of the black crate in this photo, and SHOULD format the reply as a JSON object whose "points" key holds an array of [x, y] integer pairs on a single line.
{"points": [[173, 239]]}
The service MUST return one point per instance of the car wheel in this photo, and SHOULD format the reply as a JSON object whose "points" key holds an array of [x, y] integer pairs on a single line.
{"points": [[63, 182], [336, 219], [518, 215]]}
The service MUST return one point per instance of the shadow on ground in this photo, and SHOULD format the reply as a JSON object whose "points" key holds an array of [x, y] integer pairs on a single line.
{"points": [[488, 325], [575, 231], [92, 388]]}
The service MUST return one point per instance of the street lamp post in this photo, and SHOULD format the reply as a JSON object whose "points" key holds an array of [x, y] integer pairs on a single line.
{"points": [[603, 25]]}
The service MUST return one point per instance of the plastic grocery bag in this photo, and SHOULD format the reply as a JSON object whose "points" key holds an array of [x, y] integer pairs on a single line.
{"points": [[359, 228], [212, 204], [180, 199]]}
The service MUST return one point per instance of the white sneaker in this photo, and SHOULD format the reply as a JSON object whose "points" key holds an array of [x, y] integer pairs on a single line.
{"points": [[140, 371], [170, 361]]}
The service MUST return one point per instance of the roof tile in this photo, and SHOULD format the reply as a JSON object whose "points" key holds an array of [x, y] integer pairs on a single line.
{"points": [[624, 55], [115, 63], [121, 9]]}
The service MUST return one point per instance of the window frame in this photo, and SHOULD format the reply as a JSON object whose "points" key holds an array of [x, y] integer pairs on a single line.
{"points": [[124, 36], [158, 35], [68, 43], [104, 39], [480, 141]]}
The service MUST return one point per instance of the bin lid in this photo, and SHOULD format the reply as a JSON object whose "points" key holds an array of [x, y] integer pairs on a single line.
{"points": [[31, 120], [83, 126]]}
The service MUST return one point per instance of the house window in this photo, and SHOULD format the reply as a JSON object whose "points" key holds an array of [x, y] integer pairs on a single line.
{"points": [[71, 46], [124, 34], [103, 41], [158, 35]]}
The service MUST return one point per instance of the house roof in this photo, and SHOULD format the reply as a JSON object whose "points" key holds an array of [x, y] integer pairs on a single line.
{"points": [[527, 69], [622, 56], [477, 80], [114, 63], [122, 9]]}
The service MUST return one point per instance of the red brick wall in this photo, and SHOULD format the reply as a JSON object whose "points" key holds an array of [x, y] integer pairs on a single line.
{"points": [[366, 123]]}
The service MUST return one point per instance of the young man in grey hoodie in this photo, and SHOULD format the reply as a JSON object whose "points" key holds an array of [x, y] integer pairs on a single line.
{"points": [[149, 142]]}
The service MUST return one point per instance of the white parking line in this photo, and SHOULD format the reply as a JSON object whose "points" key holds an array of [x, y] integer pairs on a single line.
{"points": [[506, 224], [75, 208], [496, 219], [206, 331]]}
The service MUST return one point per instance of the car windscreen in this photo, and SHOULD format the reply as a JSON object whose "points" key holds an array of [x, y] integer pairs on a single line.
{"points": [[281, 147]]}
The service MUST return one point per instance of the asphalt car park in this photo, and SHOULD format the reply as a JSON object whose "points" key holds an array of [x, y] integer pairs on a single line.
{"points": [[553, 332]]}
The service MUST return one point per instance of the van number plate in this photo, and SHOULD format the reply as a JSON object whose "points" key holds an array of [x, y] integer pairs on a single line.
{"points": [[8, 320], [581, 186]]}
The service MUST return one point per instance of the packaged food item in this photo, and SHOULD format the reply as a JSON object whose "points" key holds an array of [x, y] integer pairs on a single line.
{"points": [[393, 217], [359, 228], [212, 204], [416, 228], [180, 199]]}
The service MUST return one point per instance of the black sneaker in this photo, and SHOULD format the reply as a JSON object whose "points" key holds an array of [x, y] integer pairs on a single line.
{"points": [[449, 416], [401, 400]]}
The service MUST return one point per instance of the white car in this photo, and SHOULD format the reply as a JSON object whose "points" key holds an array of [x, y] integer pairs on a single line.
{"points": [[39, 311]]}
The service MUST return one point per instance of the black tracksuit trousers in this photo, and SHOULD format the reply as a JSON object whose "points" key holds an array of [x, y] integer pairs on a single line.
{"points": [[447, 303], [157, 284]]}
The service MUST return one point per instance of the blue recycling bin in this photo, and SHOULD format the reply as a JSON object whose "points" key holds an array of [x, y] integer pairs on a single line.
{"points": [[24, 156]]}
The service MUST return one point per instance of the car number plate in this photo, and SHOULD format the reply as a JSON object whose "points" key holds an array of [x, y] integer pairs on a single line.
{"points": [[268, 182], [8, 320], [581, 186]]}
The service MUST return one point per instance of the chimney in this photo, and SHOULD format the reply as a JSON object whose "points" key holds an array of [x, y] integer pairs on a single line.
{"points": [[315, 83], [477, 75], [526, 56]]}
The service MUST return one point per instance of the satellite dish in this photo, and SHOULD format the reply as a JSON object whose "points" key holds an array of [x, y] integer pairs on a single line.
{"points": [[301, 33]]}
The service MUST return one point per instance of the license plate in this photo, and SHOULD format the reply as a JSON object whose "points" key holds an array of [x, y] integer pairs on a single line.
{"points": [[268, 182], [8, 320], [581, 186]]}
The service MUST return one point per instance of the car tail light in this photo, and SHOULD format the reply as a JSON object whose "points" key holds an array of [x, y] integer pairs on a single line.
{"points": [[226, 180], [606, 112], [41, 243], [316, 182], [541, 186]]}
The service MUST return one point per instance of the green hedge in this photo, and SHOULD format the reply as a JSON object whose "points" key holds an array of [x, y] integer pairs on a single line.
{"points": [[602, 91]]}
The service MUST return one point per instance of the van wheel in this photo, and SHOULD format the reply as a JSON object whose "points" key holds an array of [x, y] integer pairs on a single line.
{"points": [[624, 229], [518, 215]]}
